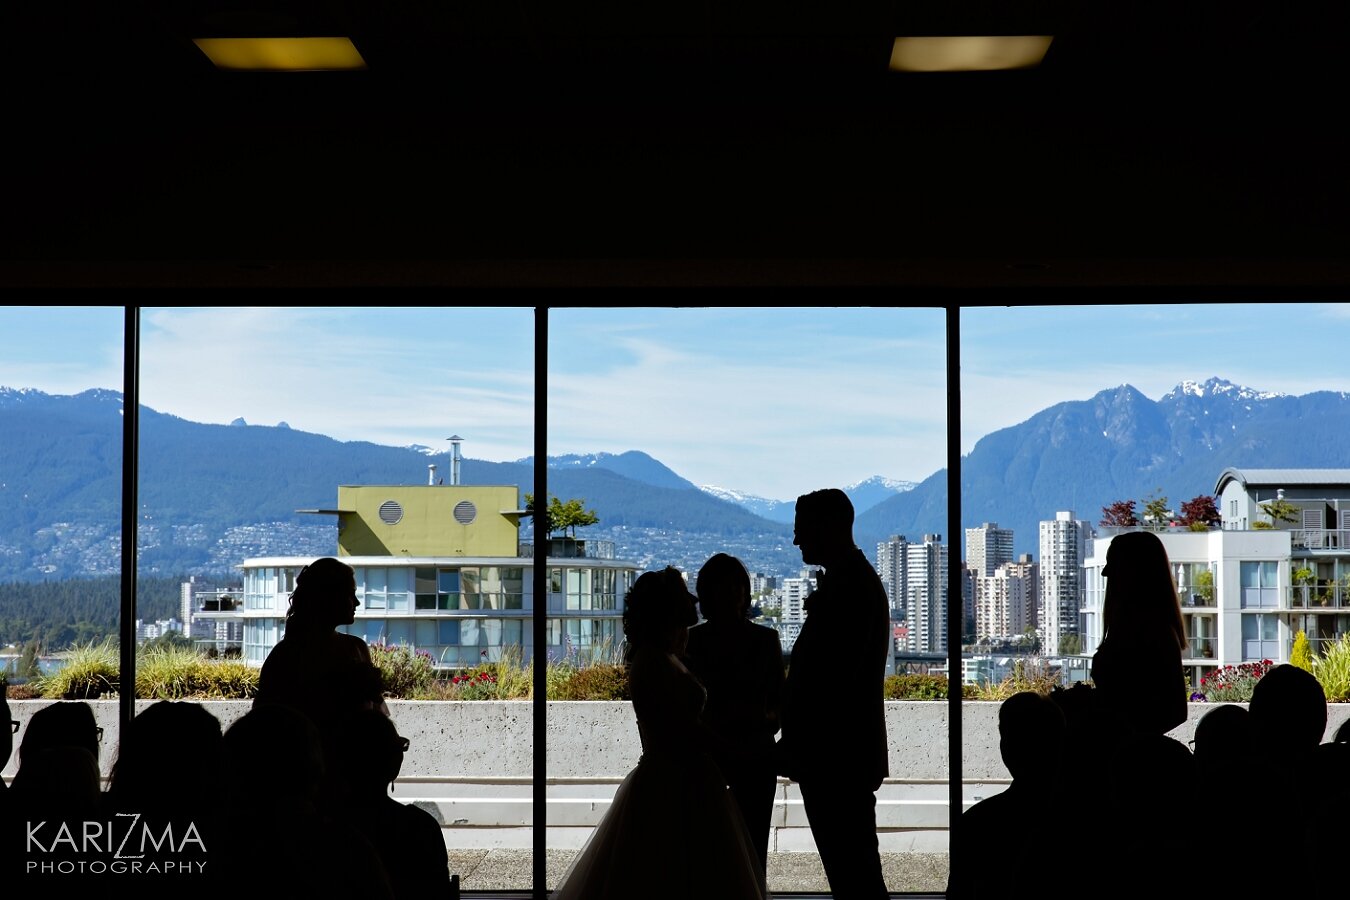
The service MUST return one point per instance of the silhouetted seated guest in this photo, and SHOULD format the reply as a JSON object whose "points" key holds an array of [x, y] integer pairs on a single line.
{"points": [[409, 840], [275, 840], [741, 666], [1343, 733], [1223, 753], [993, 837], [315, 668], [165, 737], [1288, 714], [57, 786]]}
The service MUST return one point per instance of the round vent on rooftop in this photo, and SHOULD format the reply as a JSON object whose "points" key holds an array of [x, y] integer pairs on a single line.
{"points": [[465, 512], [390, 512]]}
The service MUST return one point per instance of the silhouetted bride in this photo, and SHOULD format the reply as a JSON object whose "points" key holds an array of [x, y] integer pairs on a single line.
{"points": [[673, 831]]}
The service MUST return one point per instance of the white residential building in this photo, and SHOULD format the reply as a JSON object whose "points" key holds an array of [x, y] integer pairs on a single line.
{"points": [[987, 548], [792, 595], [1005, 602], [1064, 546], [1249, 587], [440, 568], [925, 598]]}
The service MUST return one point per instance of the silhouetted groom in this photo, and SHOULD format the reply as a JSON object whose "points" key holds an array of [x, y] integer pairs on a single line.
{"points": [[833, 742]]}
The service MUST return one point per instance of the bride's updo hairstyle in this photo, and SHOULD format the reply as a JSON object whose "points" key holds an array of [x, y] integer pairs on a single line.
{"points": [[323, 589], [656, 603]]}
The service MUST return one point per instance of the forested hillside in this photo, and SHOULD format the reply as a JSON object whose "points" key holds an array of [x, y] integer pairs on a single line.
{"points": [[58, 614]]}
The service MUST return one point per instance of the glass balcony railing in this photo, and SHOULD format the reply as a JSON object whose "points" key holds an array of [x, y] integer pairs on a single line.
{"points": [[1202, 648], [1319, 596], [1320, 538], [1195, 598], [573, 548]]}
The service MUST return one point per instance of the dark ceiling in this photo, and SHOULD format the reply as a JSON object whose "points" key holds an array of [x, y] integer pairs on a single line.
{"points": [[592, 142]]}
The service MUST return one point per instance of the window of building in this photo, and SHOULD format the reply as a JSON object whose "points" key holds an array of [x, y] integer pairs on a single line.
{"points": [[1260, 584], [1260, 637]]}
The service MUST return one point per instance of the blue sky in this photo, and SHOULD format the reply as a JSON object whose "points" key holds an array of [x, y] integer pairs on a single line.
{"points": [[771, 401]]}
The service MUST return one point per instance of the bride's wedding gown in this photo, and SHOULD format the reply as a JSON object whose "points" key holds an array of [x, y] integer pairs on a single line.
{"points": [[673, 831]]}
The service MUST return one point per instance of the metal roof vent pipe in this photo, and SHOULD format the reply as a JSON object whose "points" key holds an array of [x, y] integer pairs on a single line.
{"points": [[455, 440], [431, 473]]}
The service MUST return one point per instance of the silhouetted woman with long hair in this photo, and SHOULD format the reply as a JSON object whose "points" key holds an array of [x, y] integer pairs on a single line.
{"points": [[1140, 693], [1137, 667], [315, 668], [741, 666]]}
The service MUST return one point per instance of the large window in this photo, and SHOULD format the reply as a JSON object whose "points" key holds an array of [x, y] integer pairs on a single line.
{"points": [[746, 408], [718, 413]]}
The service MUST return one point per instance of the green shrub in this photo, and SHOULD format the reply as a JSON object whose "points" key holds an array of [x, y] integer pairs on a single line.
{"points": [[1332, 670], [169, 672], [1301, 653], [405, 673], [915, 687], [90, 672], [597, 681]]}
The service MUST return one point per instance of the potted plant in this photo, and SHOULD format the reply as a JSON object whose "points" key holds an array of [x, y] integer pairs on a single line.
{"points": [[1302, 578]]}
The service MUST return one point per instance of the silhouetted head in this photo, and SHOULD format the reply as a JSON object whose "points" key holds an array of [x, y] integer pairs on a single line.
{"points": [[61, 779], [367, 751], [823, 525], [723, 589], [658, 610], [1222, 733], [276, 750], [66, 723], [1031, 731], [1289, 708], [165, 734], [324, 595], [1141, 598]]}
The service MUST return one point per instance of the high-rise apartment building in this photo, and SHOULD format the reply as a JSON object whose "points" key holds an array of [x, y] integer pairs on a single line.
{"points": [[1064, 548], [1006, 605], [892, 554], [925, 595], [987, 548], [793, 593]]}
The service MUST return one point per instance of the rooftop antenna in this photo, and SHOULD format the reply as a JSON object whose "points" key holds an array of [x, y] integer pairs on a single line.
{"points": [[431, 473], [455, 440]]}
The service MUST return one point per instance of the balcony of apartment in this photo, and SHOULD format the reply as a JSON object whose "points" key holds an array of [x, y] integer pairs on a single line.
{"points": [[223, 608], [1197, 599], [1320, 539], [1322, 594], [1202, 648], [573, 548]]}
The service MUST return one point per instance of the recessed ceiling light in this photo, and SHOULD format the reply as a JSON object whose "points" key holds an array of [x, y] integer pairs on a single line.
{"points": [[282, 54], [968, 54]]}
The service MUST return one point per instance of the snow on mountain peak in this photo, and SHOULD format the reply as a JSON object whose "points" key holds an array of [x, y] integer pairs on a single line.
{"points": [[1218, 387]]}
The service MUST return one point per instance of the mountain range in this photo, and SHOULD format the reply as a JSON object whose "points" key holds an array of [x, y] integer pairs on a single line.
{"points": [[212, 495], [1083, 455]]}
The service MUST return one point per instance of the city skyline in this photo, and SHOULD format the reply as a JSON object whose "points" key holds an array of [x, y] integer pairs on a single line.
{"points": [[725, 396]]}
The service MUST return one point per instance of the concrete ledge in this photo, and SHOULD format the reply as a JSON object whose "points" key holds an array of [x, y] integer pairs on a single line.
{"points": [[512, 870]]}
